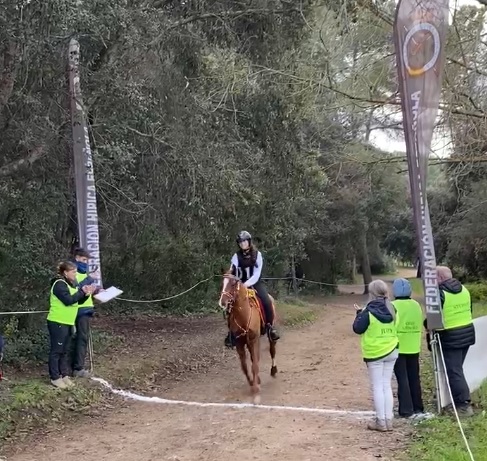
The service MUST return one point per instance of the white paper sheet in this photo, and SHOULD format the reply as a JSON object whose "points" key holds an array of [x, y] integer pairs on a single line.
{"points": [[108, 294]]}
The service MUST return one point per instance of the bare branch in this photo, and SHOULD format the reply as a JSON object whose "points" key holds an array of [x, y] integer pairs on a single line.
{"points": [[223, 15], [393, 100], [368, 4], [147, 135]]}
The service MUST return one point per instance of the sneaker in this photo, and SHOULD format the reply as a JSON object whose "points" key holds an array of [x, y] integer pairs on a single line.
{"points": [[421, 416], [465, 411], [68, 382], [377, 425], [81, 374], [59, 383]]}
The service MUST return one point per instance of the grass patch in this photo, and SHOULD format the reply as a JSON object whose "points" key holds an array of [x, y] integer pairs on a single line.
{"points": [[440, 439], [416, 286], [295, 312], [27, 404]]}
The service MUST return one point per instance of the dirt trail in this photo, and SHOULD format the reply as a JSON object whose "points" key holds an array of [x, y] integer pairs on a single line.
{"points": [[319, 366]]}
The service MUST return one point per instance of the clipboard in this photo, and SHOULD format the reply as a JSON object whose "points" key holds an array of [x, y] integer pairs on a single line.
{"points": [[108, 294]]}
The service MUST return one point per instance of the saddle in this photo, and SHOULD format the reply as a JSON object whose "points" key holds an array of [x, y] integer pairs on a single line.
{"points": [[256, 303]]}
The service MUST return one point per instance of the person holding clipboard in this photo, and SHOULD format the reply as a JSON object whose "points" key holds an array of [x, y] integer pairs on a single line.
{"points": [[63, 309]]}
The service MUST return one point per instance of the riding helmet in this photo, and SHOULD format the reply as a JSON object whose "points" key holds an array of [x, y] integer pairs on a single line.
{"points": [[244, 235]]}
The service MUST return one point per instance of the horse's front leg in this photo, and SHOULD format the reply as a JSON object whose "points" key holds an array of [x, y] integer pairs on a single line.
{"points": [[243, 360], [254, 348]]}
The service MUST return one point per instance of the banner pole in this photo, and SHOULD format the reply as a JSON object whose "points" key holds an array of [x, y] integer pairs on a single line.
{"points": [[420, 28], [86, 204]]}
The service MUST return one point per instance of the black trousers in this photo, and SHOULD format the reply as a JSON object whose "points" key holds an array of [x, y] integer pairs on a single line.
{"points": [[409, 393], [83, 325], [263, 295], [454, 359], [60, 337]]}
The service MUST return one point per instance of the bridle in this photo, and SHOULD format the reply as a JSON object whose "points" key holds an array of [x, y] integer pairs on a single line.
{"points": [[231, 304]]}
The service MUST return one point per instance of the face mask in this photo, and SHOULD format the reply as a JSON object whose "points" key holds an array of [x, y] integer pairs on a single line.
{"points": [[82, 267]]}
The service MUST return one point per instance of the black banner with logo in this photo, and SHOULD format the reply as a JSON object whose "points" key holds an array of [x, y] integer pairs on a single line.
{"points": [[420, 34], [87, 213]]}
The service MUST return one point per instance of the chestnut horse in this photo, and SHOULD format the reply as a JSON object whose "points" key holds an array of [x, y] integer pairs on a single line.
{"points": [[246, 323]]}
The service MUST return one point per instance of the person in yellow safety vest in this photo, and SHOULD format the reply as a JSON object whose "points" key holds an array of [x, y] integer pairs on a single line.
{"points": [[457, 335], [409, 332], [63, 307], [85, 314], [376, 323]]}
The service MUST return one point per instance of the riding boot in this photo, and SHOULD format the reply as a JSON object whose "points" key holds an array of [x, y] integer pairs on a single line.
{"points": [[230, 340], [272, 332]]}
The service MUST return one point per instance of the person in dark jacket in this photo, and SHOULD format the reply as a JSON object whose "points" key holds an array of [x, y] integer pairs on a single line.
{"points": [[457, 335], [85, 314], [376, 324]]}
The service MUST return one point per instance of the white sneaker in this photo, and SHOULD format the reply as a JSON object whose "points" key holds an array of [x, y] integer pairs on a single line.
{"points": [[68, 382], [59, 383], [418, 417]]}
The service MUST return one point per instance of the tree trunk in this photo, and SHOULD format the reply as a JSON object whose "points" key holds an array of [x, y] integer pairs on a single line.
{"points": [[366, 272], [293, 275], [354, 268]]}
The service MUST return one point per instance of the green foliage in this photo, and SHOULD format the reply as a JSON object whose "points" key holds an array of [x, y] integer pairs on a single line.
{"points": [[295, 313], [478, 291], [196, 133], [440, 438]]}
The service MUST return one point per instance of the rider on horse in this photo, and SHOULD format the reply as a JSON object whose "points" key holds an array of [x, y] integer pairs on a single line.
{"points": [[247, 265]]}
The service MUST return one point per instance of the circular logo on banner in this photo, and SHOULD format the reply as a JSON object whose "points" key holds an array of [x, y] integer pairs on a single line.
{"points": [[421, 48]]}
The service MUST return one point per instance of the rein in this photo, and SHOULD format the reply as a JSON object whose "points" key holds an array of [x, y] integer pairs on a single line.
{"points": [[231, 305]]}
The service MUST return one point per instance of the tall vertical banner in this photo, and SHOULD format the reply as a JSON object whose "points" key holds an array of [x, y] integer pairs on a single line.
{"points": [[420, 29], [87, 213]]}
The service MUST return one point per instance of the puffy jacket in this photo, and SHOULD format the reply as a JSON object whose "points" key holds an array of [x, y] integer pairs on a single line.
{"points": [[455, 338]]}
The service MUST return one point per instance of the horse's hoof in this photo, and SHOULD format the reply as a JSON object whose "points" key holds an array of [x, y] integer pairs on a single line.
{"points": [[257, 399], [274, 371]]}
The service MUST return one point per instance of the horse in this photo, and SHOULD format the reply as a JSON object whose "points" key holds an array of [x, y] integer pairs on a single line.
{"points": [[246, 322]]}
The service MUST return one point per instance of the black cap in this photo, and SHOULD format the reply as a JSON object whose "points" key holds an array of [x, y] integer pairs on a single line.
{"points": [[82, 252]]}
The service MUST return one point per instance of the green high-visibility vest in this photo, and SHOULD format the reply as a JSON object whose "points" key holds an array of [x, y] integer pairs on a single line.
{"points": [[409, 325], [379, 339], [89, 302], [58, 311], [457, 310]]}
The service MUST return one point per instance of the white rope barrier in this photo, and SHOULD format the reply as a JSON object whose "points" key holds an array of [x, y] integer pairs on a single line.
{"points": [[137, 301], [465, 440]]}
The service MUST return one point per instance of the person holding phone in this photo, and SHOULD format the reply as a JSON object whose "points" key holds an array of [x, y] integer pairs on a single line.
{"points": [[376, 324], [64, 298]]}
